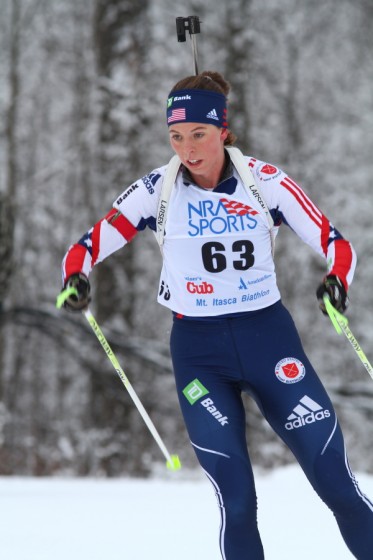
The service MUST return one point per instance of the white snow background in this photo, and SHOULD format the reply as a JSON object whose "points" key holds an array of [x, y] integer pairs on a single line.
{"points": [[174, 517]]}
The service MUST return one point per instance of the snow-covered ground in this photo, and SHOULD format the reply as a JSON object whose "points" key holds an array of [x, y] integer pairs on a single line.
{"points": [[173, 518]]}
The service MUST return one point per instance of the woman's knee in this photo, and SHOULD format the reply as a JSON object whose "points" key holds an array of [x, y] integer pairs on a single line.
{"points": [[335, 484]]}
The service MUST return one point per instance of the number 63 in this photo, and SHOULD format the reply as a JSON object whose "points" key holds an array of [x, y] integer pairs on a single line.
{"points": [[215, 260]]}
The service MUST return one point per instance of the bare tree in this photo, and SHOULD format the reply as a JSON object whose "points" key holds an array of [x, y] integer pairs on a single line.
{"points": [[8, 198]]}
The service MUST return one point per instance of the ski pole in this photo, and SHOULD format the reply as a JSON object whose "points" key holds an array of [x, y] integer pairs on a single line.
{"points": [[173, 462], [340, 323], [191, 24]]}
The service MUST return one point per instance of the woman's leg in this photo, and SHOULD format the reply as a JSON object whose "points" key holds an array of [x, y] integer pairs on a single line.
{"points": [[214, 416], [295, 403]]}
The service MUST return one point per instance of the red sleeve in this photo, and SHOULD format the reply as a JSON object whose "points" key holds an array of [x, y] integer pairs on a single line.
{"points": [[109, 234]]}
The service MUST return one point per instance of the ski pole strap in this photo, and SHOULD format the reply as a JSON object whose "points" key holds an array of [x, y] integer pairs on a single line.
{"points": [[340, 323], [333, 315], [64, 295]]}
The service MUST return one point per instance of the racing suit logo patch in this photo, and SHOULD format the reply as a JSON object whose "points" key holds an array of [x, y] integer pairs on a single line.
{"points": [[290, 370], [306, 412], [195, 391]]}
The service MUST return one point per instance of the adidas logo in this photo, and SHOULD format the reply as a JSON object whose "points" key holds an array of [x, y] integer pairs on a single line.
{"points": [[212, 115], [306, 412]]}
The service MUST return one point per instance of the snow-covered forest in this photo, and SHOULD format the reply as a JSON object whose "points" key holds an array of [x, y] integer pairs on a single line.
{"points": [[83, 87]]}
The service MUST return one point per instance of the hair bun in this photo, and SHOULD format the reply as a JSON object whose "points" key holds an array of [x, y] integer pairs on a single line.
{"points": [[218, 79]]}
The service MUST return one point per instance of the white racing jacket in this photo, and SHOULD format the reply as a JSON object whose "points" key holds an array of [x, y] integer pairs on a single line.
{"points": [[217, 255]]}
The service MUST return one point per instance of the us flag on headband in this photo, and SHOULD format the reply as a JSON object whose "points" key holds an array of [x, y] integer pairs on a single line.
{"points": [[177, 115], [234, 207]]}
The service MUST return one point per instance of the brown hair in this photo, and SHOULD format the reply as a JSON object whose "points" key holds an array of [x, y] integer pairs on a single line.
{"points": [[211, 81]]}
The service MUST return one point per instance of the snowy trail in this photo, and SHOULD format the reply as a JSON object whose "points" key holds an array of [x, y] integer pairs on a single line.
{"points": [[125, 519]]}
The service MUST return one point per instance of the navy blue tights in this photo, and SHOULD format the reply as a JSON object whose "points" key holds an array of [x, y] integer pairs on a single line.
{"points": [[260, 353]]}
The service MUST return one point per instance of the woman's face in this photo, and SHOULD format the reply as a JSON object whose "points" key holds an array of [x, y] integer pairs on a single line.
{"points": [[200, 148]]}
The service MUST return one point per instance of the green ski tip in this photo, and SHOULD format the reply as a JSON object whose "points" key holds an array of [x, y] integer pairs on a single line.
{"points": [[174, 464]]}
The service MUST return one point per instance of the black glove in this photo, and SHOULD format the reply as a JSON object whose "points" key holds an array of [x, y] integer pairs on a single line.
{"points": [[334, 288], [80, 301]]}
